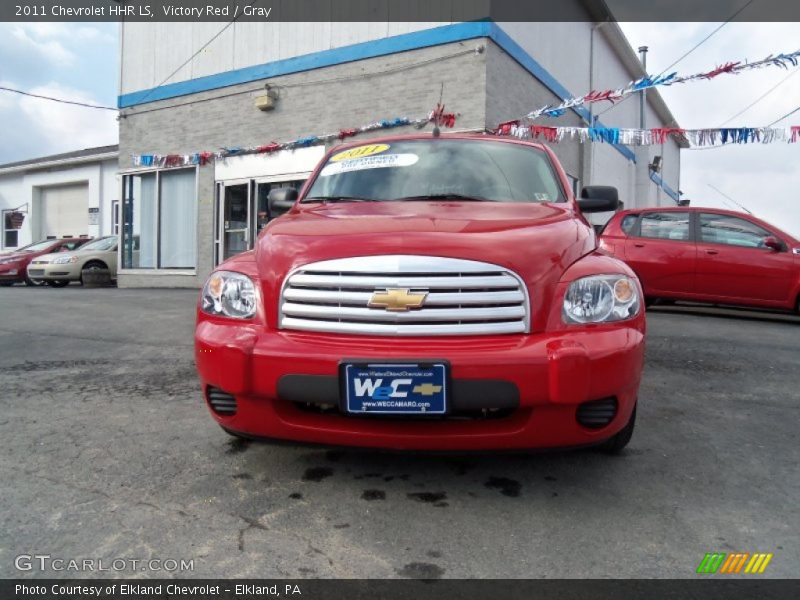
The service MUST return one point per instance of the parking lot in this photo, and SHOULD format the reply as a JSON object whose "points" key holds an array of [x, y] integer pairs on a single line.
{"points": [[107, 451]]}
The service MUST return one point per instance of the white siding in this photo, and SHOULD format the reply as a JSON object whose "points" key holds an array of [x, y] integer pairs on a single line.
{"points": [[152, 51]]}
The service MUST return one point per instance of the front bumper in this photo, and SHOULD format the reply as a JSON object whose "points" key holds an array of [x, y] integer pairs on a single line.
{"points": [[54, 272], [11, 272], [554, 373]]}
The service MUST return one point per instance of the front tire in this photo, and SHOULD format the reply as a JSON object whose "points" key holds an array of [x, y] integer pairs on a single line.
{"points": [[58, 283], [94, 265], [615, 444], [33, 282]]}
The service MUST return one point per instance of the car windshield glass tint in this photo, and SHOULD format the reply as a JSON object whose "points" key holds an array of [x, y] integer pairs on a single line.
{"points": [[37, 247], [440, 169], [100, 245]]}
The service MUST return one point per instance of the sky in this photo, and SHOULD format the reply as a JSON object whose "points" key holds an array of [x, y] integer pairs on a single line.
{"points": [[765, 179], [79, 61]]}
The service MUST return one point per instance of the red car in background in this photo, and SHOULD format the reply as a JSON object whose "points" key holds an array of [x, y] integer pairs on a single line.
{"points": [[14, 265], [707, 255]]}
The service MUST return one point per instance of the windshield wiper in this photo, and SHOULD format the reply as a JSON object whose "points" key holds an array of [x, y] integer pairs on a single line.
{"points": [[442, 197], [337, 199]]}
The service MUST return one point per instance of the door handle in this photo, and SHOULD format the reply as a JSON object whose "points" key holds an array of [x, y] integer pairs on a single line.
{"points": [[638, 245], [712, 251]]}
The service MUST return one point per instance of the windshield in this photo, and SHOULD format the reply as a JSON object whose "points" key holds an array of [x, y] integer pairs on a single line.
{"points": [[438, 169], [37, 247], [106, 243]]}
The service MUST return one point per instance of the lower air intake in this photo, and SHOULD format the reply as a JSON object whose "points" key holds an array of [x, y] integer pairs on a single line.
{"points": [[221, 402], [597, 413]]}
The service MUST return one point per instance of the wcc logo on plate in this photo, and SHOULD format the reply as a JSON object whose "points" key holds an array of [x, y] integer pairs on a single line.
{"points": [[396, 389]]}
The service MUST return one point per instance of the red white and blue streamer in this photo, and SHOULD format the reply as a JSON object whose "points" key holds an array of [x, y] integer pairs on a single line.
{"points": [[783, 60], [437, 116], [649, 137]]}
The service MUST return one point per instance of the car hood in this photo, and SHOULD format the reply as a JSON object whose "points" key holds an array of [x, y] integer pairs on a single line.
{"points": [[84, 255], [49, 257], [537, 241]]}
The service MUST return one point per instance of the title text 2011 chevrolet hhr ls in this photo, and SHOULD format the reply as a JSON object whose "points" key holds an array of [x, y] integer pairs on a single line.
{"points": [[430, 293]]}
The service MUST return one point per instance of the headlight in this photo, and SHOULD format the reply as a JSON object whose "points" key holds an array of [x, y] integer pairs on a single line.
{"points": [[229, 294], [63, 260], [601, 299], [8, 261]]}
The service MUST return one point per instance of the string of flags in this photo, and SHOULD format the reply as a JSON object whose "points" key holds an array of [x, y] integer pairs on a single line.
{"points": [[654, 136], [437, 116], [782, 60], [516, 128]]}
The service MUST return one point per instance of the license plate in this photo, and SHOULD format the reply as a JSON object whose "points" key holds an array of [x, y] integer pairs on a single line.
{"points": [[395, 389], [35, 271]]}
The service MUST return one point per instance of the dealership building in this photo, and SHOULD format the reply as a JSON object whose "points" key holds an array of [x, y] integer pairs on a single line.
{"points": [[75, 194], [279, 81]]}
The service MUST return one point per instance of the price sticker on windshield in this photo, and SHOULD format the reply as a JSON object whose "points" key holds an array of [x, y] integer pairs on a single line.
{"points": [[369, 162]]}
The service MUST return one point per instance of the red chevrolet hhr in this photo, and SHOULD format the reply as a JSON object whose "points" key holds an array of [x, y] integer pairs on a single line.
{"points": [[707, 255], [435, 293]]}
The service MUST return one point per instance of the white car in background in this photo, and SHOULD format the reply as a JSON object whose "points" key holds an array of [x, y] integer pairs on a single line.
{"points": [[59, 269]]}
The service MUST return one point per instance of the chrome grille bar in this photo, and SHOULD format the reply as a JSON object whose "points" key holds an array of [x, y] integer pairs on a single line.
{"points": [[336, 280], [350, 298]]}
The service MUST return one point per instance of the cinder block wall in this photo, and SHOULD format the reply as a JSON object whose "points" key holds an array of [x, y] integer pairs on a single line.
{"points": [[361, 92], [511, 92]]}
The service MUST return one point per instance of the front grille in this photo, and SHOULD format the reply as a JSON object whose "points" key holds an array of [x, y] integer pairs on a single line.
{"points": [[597, 413], [35, 272], [457, 297], [223, 403]]}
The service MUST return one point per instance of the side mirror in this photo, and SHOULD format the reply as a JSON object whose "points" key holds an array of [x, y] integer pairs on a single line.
{"points": [[281, 200], [598, 198], [773, 243]]}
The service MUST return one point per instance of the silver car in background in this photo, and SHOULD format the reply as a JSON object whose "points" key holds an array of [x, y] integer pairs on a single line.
{"points": [[59, 269]]}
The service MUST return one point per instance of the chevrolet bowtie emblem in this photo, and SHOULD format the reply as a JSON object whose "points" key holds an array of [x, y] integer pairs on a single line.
{"points": [[397, 300]]}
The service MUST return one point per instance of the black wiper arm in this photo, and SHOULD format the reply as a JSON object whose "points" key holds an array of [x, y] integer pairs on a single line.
{"points": [[443, 197], [337, 199]]}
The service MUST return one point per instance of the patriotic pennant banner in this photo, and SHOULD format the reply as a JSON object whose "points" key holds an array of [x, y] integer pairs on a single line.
{"points": [[649, 137], [437, 116], [782, 60]]}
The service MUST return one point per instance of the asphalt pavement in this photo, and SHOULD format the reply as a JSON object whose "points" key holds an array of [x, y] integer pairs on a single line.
{"points": [[107, 452]]}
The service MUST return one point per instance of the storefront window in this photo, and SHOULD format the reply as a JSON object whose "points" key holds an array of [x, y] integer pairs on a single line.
{"points": [[159, 220], [10, 233]]}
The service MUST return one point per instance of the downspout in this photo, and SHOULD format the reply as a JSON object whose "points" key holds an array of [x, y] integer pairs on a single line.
{"points": [[589, 175]]}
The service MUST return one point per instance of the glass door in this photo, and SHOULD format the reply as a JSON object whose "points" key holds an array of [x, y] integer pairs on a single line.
{"points": [[234, 219], [243, 211]]}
